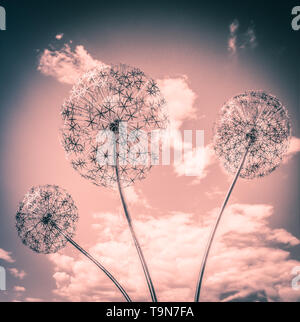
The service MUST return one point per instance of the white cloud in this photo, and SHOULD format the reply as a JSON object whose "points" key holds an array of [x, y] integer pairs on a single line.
{"points": [[20, 274], [180, 99], [67, 65], [6, 256], [181, 107], [215, 192], [134, 196], [33, 299], [19, 289], [294, 148], [196, 165], [245, 260]]}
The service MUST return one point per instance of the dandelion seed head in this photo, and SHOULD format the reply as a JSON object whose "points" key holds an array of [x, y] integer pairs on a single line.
{"points": [[101, 101], [258, 120], [42, 207]]}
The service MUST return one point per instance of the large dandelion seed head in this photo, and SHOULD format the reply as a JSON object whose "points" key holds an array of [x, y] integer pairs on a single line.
{"points": [[103, 100], [256, 120], [42, 207]]}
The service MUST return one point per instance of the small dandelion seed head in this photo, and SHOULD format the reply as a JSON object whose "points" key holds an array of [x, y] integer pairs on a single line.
{"points": [[258, 120], [102, 100], [42, 207]]}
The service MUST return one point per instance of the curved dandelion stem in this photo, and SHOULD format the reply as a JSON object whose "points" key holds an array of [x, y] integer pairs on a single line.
{"points": [[136, 242], [213, 232], [90, 257]]}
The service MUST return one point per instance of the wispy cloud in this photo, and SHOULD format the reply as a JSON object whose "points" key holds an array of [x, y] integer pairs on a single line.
{"points": [[19, 289], [214, 193], [66, 64], [294, 148], [240, 40], [33, 299], [245, 261], [232, 41], [181, 108], [20, 274], [59, 36], [6, 256], [135, 196]]}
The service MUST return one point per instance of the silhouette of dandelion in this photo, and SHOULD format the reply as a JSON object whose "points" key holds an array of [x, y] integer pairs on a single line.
{"points": [[46, 221], [42, 206], [101, 102], [258, 120], [251, 137], [107, 121]]}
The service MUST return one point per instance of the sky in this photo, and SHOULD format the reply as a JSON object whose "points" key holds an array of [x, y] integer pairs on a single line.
{"points": [[201, 54]]}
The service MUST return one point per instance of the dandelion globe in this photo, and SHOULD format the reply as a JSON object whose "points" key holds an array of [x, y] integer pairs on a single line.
{"points": [[118, 100], [257, 122], [251, 138], [46, 221]]}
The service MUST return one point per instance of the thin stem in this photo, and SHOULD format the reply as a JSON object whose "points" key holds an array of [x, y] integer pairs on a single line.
{"points": [[70, 240], [213, 232], [136, 242]]}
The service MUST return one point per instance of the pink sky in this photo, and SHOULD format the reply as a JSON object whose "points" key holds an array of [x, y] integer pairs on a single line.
{"points": [[172, 212]]}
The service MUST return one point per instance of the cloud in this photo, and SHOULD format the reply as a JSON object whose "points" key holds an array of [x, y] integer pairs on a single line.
{"points": [[245, 261], [59, 36], [19, 289], [189, 160], [240, 40], [20, 274], [135, 196], [214, 193], [232, 41], [294, 148], [180, 99], [196, 163], [33, 299], [67, 65], [249, 38], [6, 256]]}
